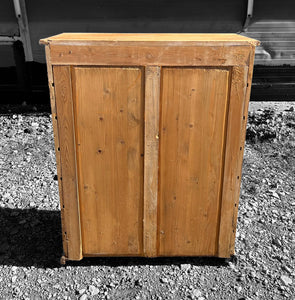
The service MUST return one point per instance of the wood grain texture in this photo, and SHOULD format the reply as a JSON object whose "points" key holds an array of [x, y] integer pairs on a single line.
{"points": [[149, 131], [151, 152], [149, 37], [193, 118], [57, 145], [109, 121], [242, 143], [66, 131], [233, 161], [142, 55]]}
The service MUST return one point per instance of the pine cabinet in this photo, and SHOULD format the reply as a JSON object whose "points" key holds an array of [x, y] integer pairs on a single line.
{"points": [[149, 134]]}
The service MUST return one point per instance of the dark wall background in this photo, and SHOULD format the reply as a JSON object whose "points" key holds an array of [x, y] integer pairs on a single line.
{"points": [[274, 10], [48, 18]]}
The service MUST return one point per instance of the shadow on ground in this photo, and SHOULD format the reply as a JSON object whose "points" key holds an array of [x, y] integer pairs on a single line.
{"points": [[31, 237]]}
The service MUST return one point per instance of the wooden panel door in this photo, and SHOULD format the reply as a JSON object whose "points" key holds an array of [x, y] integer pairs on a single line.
{"points": [[109, 122], [193, 105]]}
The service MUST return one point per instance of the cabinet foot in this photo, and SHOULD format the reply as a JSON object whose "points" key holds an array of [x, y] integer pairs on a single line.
{"points": [[232, 259], [63, 260]]}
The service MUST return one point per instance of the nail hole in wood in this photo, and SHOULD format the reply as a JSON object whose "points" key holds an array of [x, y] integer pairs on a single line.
{"points": [[244, 117], [238, 177], [58, 149], [60, 178], [247, 84], [55, 117], [240, 148], [52, 83]]}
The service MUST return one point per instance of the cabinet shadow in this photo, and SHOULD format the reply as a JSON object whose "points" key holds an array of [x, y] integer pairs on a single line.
{"points": [[31, 237]]}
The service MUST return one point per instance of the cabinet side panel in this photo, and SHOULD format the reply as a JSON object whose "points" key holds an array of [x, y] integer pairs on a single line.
{"points": [[233, 161], [70, 206], [56, 143], [110, 121], [243, 135], [192, 133]]}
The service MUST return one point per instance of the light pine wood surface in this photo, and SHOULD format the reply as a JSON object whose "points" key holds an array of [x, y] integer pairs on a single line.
{"points": [[233, 160], [242, 143], [57, 146], [148, 37], [193, 114], [151, 154], [68, 179], [165, 54], [149, 133], [109, 138]]}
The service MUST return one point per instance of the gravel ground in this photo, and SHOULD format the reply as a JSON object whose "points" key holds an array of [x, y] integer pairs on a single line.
{"points": [[30, 247]]}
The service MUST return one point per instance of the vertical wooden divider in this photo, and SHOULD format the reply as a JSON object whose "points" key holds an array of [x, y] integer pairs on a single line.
{"points": [[151, 159]]}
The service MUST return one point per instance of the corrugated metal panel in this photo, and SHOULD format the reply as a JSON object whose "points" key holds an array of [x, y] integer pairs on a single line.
{"points": [[277, 42], [6, 56], [8, 21]]}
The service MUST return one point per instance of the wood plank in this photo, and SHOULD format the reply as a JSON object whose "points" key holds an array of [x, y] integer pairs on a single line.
{"points": [[233, 160], [151, 149], [148, 37], [68, 178], [193, 118], [57, 146], [109, 120], [242, 143], [142, 55]]}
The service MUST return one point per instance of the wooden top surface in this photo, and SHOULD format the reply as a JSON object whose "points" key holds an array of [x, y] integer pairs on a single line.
{"points": [[183, 38]]}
